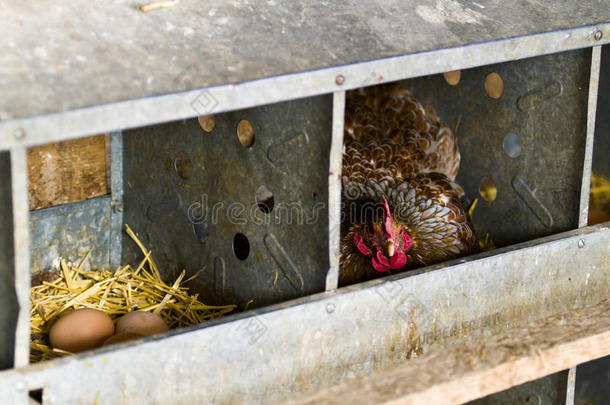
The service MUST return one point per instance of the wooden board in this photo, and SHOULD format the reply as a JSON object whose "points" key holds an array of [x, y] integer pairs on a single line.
{"points": [[65, 172], [476, 369]]}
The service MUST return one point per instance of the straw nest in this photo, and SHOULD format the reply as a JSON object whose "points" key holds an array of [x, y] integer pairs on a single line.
{"points": [[115, 293]]}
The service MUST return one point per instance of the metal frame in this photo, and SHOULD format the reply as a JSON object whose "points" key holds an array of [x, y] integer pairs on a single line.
{"points": [[586, 176], [21, 240], [116, 202], [151, 110], [349, 343], [334, 191], [591, 114], [341, 333]]}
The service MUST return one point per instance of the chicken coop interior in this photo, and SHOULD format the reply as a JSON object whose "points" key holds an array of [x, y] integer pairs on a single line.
{"points": [[163, 160]]}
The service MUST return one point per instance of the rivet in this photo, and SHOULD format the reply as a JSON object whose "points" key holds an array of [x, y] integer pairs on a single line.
{"points": [[581, 243], [598, 35], [19, 133], [330, 308], [340, 79]]}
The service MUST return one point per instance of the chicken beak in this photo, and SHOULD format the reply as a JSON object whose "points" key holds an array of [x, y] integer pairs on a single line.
{"points": [[390, 248]]}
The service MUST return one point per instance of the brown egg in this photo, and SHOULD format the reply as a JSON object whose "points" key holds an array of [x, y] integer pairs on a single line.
{"points": [[141, 322], [80, 330], [121, 337]]}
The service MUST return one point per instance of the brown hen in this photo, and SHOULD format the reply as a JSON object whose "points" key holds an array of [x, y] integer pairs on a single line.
{"points": [[401, 206]]}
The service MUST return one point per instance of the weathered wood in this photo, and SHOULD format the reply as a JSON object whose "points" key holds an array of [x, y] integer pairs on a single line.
{"points": [[65, 172], [476, 369]]}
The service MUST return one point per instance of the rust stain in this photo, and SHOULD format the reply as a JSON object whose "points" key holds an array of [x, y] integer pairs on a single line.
{"points": [[414, 344]]}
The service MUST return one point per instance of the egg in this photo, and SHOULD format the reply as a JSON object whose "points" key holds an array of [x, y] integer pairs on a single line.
{"points": [[80, 330], [121, 337], [141, 322]]}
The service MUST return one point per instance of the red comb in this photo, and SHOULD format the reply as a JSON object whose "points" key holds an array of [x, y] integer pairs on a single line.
{"points": [[388, 217], [398, 260]]}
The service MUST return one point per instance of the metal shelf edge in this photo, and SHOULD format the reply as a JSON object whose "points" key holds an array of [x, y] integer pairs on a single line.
{"points": [[163, 108]]}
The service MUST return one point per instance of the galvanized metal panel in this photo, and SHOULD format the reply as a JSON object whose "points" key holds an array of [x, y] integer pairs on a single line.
{"points": [[21, 253], [591, 119], [70, 123], [334, 190], [116, 203], [544, 104], [8, 299], [69, 231], [57, 55], [269, 354], [593, 378], [585, 187], [191, 223], [549, 389]]}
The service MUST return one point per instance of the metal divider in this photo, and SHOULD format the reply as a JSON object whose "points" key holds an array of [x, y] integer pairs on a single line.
{"points": [[169, 107], [19, 182], [116, 202], [586, 176], [591, 113], [334, 191]]}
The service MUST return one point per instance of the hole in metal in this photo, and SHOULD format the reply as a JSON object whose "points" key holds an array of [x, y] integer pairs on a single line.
{"points": [[183, 165], [264, 199], [207, 122], [245, 133], [488, 189], [494, 85], [512, 145], [36, 395], [453, 77], [241, 246]]}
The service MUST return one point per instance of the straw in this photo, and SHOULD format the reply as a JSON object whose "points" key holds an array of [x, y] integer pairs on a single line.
{"points": [[115, 293]]}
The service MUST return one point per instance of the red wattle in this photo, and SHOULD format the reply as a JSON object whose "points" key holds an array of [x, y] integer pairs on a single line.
{"points": [[398, 260], [381, 259], [378, 266], [360, 245]]}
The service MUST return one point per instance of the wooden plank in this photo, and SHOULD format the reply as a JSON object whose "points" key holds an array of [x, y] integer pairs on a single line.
{"points": [[476, 369], [66, 172]]}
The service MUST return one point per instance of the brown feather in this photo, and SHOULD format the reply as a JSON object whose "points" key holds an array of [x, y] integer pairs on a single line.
{"points": [[398, 150]]}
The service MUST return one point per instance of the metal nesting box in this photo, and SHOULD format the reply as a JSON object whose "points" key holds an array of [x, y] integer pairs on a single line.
{"points": [[146, 77]]}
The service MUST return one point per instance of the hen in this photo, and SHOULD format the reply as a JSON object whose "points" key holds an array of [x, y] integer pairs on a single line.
{"points": [[401, 207]]}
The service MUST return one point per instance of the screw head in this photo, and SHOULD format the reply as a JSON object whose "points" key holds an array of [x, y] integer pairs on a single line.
{"points": [[598, 35], [581, 243], [330, 307], [340, 79], [19, 133]]}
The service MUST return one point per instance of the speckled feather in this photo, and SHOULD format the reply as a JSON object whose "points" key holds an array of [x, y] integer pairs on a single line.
{"points": [[399, 150], [390, 136]]}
